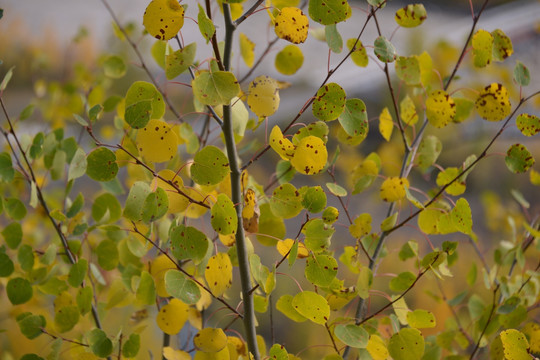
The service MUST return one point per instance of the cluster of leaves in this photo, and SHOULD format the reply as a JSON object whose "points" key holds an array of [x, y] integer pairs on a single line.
{"points": [[175, 213]]}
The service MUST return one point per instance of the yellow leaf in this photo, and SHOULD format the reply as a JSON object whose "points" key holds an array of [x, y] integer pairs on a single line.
{"points": [[426, 68], [283, 247], [283, 146], [163, 18], [250, 212], [263, 96], [408, 111], [195, 317], [386, 124], [534, 177], [171, 317], [310, 155], [482, 44], [377, 348], [292, 25], [493, 104], [440, 108], [170, 354], [218, 273], [159, 267], [157, 142], [532, 331], [210, 340], [177, 201], [393, 189], [247, 48]]}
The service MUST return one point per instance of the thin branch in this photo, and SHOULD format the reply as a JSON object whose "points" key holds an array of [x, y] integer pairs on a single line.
{"points": [[493, 306], [31, 178], [249, 11], [63, 338], [331, 337]]}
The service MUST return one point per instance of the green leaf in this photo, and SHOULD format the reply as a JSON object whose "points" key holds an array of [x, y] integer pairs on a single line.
{"points": [[354, 118], [421, 319], [328, 12], [391, 220], [522, 75], [210, 166], [31, 325], [65, 318], [143, 102], [224, 219], [181, 287], [13, 235], [529, 125], [84, 299], [101, 164], [312, 306], [318, 235], [179, 61], [333, 38], [384, 50], [131, 347], [114, 67], [314, 199], [206, 26], [482, 44], [26, 257], [99, 343], [135, 201], [408, 70], [464, 109], [146, 291], [19, 291], [402, 282], [518, 159], [76, 206], [155, 205], [407, 344], [284, 305], [77, 273], [6, 167], [289, 60], [321, 270], [352, 335], [15, 209], [188, 243], [106, 208], [215, 88], [286, 201], [107, 254], [411, 15], [329, 102], [159, 50], [6, 265], [31, 356]]}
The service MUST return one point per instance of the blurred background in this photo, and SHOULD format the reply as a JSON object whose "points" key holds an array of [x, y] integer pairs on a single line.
{"points": [[59, 44]]}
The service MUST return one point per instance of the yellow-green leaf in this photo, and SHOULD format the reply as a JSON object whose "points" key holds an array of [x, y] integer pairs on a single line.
{"points": [[289, 60], [482, 44], [329, 102], [411, 15], [502, 45], [210, 340], [518, 159], [421, 319], [312, 306], [215, 88], [359, 54], [529, 125], [393, 189], [327, 12], [361, 225], [515, 345], [407, 111]]}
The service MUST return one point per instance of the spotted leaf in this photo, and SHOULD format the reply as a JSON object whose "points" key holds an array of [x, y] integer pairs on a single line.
{"points": [[529, 125], [215, 88], [263, 96], [518, 159], [163, 18], [393, 189], [312, 306], [440, 108], [218, 273], [172, 317], [411, 15], [329, 102], [327, 12], [493, 104], [482, 44], [157, 142], [223, 219], [292, 25], [310, 156], [210, 166]]}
